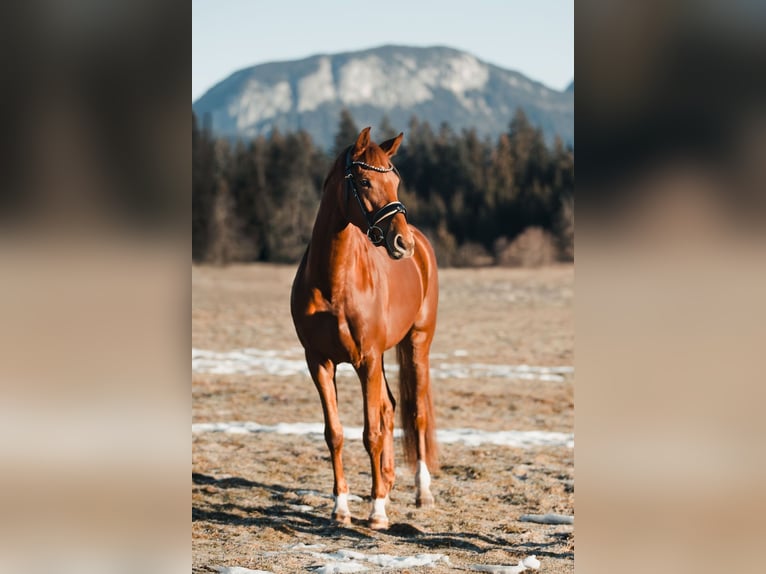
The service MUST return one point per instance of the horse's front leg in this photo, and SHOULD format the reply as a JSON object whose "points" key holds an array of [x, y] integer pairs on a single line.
{"points": [[378, 437], [323, 373]]}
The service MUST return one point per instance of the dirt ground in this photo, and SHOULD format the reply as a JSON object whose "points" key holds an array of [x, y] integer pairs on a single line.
{"points": [[260, 499]]}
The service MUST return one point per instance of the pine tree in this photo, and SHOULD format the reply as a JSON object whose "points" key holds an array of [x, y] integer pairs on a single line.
{"points": [[226, 242], [562, 166], [203, 188], [347, 132], [521, 135], [293, 216], [386, 130], [533, 201]]}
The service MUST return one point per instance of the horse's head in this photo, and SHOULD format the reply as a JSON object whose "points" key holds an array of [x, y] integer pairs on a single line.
{"points": [[371, 195]]}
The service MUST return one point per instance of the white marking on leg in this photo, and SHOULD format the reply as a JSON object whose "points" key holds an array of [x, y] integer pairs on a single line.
{"points": [[341, 505], [423, 477], [378, 517], [379, 507], [423, 496]]}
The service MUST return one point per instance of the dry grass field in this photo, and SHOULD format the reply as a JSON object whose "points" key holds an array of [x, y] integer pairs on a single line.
{"points": [[261, 500]]}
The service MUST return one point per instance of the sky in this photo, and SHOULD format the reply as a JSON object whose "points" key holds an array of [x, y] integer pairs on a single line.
{"points": [[534, 37]]}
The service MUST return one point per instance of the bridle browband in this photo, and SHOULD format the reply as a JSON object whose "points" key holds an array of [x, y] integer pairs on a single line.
{"points": [[374, 233]]}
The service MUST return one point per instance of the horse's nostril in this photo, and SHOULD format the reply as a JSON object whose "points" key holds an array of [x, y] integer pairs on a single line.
{"points": [[399, 243]]}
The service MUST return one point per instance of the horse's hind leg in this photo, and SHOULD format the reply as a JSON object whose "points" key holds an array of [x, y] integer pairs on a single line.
{"points": [[417, 410], [323, 374], [426, 439]]}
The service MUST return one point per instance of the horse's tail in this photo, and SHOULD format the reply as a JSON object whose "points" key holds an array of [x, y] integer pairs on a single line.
{"points": [[416, 407]]}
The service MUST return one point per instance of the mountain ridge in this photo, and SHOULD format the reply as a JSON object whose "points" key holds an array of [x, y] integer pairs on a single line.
{"points": [[436, 84]]}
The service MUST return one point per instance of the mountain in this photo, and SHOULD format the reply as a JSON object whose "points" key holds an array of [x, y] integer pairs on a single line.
{"points": [[435, 84]]}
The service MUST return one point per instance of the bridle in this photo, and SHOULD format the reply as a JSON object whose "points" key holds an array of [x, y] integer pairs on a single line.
{"points": [[374, 232]]}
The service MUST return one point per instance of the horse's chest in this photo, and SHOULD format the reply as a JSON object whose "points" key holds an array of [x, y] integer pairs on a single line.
{"points": [[323, 327], [340, 327]]}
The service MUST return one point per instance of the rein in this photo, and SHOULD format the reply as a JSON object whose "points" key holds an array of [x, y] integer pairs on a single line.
{"points": [[374, 232]]}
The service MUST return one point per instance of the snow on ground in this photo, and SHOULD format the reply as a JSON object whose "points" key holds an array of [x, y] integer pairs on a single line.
{"points": [[344, 560], [512, 438], [470, 437], [308, 492], [291, 362], [352, 561], [547, 518], [529, 563], [240, 570]]}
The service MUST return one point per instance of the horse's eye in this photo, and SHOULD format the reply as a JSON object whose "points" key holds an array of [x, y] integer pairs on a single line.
{"points": [[365, 183]]}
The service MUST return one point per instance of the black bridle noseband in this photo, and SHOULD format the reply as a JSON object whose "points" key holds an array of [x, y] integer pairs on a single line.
{"points": [[374, 233]]}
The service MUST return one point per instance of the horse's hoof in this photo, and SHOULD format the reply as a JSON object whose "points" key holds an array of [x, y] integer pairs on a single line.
{"points": [[344, 519], [424, 501], [378, 522]]}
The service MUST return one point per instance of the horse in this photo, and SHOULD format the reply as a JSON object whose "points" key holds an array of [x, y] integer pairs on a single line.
{"points": [[368, 281]]}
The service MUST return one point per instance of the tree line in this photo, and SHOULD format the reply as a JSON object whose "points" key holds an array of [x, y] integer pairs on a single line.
{"points": [[480, 202]]}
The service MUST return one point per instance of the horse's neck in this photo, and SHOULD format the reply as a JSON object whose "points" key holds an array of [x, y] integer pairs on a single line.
{"points": [[334, 243]]}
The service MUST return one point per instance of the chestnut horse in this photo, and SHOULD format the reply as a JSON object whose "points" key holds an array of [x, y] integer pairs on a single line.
{"points": [[368, 282]]}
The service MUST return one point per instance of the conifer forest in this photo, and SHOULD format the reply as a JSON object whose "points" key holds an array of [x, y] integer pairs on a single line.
{"points": [[507, 202]]}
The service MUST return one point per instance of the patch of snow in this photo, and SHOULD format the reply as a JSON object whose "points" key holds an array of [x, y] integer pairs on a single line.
{"points": [[517, 83], [373, 81], [524, 372], [342, 559], [344, 555], [301, 507], [398, 562], [340, 568], [401, 83], [289, 363], [470, 437], [247, 427], [304, 546], [461, 74], [512, 438], [547, 518], [248, 362], [260, 102], [351, 497], [407, 62], [528, 563], [240, 570], [531, 562], [317, 88]]}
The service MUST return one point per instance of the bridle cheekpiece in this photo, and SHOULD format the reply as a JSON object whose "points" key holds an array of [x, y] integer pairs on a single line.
{"points": [[374, 232]]}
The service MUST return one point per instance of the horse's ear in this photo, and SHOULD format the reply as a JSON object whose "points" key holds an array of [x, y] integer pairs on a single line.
{"points": [[390, 146], [361, 142]]}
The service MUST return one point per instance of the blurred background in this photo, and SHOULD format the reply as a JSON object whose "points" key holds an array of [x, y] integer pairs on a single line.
{"points": [[486, 106], [96, 248], [670, 271]]}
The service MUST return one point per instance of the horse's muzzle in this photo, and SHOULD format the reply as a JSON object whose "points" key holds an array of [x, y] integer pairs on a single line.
{"points": [[399, 247]]}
